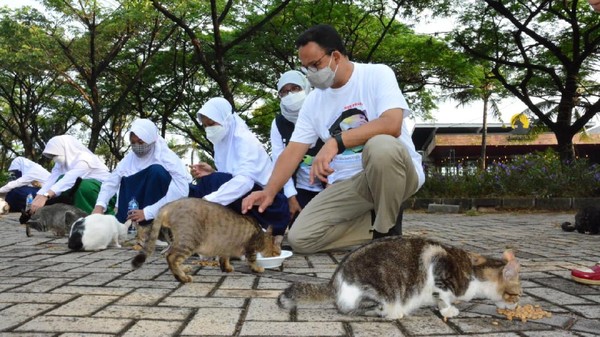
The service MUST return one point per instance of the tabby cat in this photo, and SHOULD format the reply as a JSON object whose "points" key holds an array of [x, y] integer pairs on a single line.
{"points": [[209, 229], [393, 276]]}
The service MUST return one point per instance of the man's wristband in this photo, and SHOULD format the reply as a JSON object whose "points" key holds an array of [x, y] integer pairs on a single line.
{"points": [[340, 142]]}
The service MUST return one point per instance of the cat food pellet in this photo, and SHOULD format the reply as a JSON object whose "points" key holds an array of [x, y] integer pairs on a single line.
{"points": [[525, 312]]}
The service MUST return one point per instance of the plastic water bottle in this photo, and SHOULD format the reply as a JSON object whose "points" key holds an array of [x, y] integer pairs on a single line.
{"points": [[133, 205], [28, 202]]}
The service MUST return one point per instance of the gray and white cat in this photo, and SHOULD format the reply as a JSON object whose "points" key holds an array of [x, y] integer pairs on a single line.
{"points": [[392, 277], [97, 232], [56, 218]]}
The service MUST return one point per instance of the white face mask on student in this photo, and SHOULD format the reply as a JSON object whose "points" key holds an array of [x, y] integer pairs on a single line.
{"points": [[291, 104], [322, 78], [215, 133], [59, 159]]}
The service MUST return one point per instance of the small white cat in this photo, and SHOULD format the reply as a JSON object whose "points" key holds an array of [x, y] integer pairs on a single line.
{"points": [[97, 232], [4, 207]]}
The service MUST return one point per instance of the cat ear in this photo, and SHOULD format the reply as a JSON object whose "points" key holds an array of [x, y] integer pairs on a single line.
{"points": [[70, 217], [476, 259], [511, 270], [508, 255], [269, 230]]}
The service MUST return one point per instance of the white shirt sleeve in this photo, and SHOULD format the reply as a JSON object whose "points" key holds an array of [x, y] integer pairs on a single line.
{"points": [[231, 191], [109, 188], [69, 178], [277, 146], [11, 185], [178, 188], [67, 181]]}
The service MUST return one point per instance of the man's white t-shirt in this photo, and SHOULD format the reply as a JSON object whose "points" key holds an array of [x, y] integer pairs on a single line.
{"points": [[371, 90]]}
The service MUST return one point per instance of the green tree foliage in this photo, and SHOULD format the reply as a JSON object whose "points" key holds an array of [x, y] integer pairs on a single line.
{"points": [[118, 60], [544, 53], [30, 91]]}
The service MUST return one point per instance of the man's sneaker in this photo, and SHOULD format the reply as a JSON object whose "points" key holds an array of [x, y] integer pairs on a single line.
{"points": [[587, 275], [395, 230]]}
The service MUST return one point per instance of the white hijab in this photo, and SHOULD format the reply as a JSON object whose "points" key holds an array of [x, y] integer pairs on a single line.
{"points": [[30, 170], [297, 78], [159, 154], [74, 152], [239, 152]]}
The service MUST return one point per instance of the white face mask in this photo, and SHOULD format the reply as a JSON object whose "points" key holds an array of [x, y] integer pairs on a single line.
{"points": [[59, 159], [322, 78], [291, 104], [215, 133]]}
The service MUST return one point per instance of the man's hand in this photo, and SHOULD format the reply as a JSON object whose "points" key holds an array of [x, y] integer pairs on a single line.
{"points": [[294, 206], [200, 170], [320, 168], [595, 4], [260, 198], [98, 210]]}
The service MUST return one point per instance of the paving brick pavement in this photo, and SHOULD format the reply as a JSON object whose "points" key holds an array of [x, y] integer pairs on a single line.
{"points": [[46, 290]]}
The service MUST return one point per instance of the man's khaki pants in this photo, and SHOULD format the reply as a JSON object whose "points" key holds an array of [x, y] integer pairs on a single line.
{"points": [[340, 216]]}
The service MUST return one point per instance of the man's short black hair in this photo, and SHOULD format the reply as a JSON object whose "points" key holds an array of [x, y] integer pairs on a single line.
{"points": [[325, 36]]}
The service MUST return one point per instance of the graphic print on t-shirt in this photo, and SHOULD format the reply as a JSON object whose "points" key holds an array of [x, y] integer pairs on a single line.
{"points": [[349, 119], [348, 163]]}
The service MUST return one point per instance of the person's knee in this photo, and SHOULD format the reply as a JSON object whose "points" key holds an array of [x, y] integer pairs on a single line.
{"points": [[299, 242], [158, 172], [382, 150]]}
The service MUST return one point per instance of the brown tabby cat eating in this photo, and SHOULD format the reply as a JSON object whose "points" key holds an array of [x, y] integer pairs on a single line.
{"points": [[209, 229], [392, 277]]}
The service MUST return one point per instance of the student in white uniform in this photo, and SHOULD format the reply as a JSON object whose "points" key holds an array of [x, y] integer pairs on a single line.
{"points": [[150, 173], [26, 178], [242, 165], [368, 157], [76, 170], [292, 89]]}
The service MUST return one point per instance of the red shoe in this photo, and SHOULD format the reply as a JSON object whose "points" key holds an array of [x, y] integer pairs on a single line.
{"points": [[587, 275]]}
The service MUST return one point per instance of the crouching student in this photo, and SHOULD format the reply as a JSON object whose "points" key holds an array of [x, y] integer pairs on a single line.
{"points": [[242, 166], [75, 178], [25, 177], [150, 173]]}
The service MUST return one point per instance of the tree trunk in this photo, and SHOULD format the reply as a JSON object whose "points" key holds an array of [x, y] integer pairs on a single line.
{"points": [[482, 162], [566, 149]]}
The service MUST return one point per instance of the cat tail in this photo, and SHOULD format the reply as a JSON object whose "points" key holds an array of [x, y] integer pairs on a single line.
{"points": [[150, 242], [567, 227], [311, 292]]}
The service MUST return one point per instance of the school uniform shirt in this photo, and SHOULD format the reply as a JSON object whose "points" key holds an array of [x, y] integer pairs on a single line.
{"points": [[371, 90], [303, 171], [79, 162], [30, 172], [239, 153], [159, 154]]}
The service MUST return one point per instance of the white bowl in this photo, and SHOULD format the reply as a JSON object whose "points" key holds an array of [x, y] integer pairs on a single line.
{"points": [[272, 262]]}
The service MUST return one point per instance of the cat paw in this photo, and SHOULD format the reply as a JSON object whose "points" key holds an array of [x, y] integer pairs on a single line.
{"points": [[449, 312], [184, 278]]}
